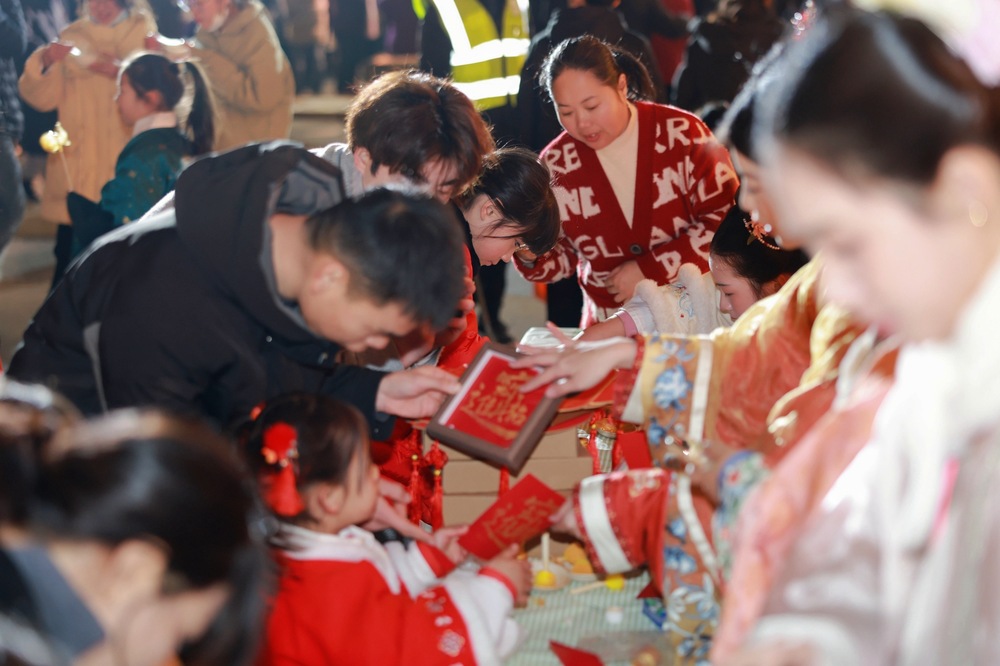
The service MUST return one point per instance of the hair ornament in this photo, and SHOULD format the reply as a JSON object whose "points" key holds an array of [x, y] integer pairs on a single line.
{"points": [[760, 232], [280, 451]]}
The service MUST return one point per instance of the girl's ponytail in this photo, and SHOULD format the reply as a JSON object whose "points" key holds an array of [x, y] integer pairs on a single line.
{"points": [[201, 118]]}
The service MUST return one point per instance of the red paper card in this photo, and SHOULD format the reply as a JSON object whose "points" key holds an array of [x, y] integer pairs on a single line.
{"points": [[520, 514], [635, 449], [571, 656]]}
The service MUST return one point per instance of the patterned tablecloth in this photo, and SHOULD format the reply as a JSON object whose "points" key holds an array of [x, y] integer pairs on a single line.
{"points": [[580, 620]]}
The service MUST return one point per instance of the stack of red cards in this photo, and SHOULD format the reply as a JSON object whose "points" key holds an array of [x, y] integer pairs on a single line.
{"points": [[521, 514]]}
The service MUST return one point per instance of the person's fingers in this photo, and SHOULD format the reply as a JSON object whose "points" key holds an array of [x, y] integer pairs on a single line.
{"points": [[547, 376], [561, 512], [438, 379], [393, 491], [536, 356], [557, 333]]}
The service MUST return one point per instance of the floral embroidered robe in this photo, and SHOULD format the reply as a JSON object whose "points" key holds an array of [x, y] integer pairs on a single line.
{"points": [[758, 387]]}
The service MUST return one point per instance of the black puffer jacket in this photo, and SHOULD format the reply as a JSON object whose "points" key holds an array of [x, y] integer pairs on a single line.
{"points": [[180, 310], [538, 121]]}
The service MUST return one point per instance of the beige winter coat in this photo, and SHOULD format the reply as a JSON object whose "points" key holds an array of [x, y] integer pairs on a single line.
{"points": [[253, 83], [85, 101]]}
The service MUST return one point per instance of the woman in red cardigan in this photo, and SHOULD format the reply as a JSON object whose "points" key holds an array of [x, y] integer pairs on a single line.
{"points": [[641, 187]]}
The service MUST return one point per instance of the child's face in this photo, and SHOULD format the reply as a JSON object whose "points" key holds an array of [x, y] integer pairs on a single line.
{"points": [[737, 294], [131, 107], [361, 486]]}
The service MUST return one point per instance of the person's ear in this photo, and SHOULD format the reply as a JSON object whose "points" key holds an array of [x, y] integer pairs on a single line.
{"points": [[623, 85], [329, 273], [963, 188], [488, 211], [772, 286], [135, 570], [325, 499], [362, 160], [154, 98]]}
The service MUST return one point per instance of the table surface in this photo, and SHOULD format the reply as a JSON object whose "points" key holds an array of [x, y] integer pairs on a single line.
{"points": [[578, 620]]}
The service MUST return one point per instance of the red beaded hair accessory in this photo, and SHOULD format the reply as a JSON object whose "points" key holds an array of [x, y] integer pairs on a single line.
{"points": [[280, 450], [759, 231]]}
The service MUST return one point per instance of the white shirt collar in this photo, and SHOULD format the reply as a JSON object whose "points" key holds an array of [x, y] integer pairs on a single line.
{"points": [[156, 120]]}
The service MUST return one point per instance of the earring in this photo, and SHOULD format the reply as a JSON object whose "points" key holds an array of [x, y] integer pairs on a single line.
{"points": [[978, 213]]}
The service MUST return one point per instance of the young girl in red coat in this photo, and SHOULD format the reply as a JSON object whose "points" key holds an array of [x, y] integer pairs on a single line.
{"points": [[345, 598]]}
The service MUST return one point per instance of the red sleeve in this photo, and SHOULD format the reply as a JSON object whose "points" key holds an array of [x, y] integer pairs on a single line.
{"points": [[622, 517], [345, 613]]}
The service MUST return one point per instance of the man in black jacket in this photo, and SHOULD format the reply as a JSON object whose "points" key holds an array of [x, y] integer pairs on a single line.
{"points": [[248, 288]]}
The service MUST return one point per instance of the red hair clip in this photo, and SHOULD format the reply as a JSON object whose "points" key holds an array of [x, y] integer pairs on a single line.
{"points": [[281, 450], [759, 231]]}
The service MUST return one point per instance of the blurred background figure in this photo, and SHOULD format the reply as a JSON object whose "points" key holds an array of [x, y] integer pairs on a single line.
{"points": [[248, 72], [356, 26], [13, 40], [722, 50], [306, 32], [44, 20], [77, 76]]}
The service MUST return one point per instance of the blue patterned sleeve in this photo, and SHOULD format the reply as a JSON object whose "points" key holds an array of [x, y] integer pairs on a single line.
{"points": [[738, 476]]}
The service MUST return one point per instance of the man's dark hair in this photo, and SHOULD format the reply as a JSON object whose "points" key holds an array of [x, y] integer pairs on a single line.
{"points": [[401, 247], [407, 120]]}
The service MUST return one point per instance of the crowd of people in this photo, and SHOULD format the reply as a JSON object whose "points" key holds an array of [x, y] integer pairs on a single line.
{"points": [[207, 442]]}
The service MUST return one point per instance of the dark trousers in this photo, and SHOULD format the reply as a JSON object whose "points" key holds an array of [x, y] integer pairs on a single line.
{"points": [[565, 302]]}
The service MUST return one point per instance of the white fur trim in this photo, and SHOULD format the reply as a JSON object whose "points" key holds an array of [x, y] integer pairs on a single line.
{"points": [[411, 567], [485, 604], [597, 524], [351, 544]]}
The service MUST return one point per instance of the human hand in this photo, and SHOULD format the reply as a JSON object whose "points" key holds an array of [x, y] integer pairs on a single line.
{"points": [[390, 512], [415, 393], [774, 653], [623, 279], [106, 65], [55, 52], [517, 570], [176, 49], [576, 367], [564, 520], [446, 540]]}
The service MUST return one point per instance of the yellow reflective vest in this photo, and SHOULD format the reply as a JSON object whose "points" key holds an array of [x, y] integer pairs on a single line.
{"points": [[485, 65]]}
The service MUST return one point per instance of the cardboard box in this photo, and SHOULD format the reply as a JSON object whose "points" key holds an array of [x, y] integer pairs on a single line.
{"points": [[470, 486]]}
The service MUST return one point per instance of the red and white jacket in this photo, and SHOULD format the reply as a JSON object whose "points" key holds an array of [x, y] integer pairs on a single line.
{"points": [[685, 184], [347, 599]]}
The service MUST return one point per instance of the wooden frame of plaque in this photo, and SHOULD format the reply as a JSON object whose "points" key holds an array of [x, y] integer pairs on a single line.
{"points": [[489, 418]]}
